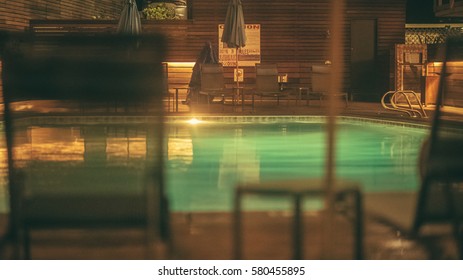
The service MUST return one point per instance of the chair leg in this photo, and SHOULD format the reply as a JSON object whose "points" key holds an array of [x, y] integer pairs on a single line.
{"points": [[223, 103], [420, 207], [453, 213], [26, 244], [298, 240], [353, 210], [237, 226], [253, 103], [459, 238], [210, 101], [358, 226], [16, 246]]}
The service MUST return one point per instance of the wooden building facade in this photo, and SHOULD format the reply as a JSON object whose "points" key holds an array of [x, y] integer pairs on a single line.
{"points": [[295, 34]]}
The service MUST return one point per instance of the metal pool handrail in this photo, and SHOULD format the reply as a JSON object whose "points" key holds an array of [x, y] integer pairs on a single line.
{"points": [[410, 110]]}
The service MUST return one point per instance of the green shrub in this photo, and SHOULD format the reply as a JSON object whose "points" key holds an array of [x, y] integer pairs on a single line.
{"points": [[159, 11]]}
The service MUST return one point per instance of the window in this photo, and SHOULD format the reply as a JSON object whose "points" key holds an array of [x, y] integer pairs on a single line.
{"points": [[442, 2]]}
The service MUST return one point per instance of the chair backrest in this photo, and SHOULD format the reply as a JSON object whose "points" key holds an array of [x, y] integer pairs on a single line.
{"points": [[320, 78], [80, 67], [441, 164], [267, 78], [212, 77], [64, 172]]}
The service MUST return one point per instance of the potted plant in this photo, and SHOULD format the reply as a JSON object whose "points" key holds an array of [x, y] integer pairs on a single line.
{"points": [[160, 11]]}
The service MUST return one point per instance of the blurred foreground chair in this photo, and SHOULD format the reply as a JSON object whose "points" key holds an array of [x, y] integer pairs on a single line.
{"points": [[212, 84], [438, 204], [348, 201], [267, 85], [67, 188], [440, 199]]}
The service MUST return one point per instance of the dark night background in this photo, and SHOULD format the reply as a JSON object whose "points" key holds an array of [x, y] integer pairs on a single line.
{"points": [[421, 11]]}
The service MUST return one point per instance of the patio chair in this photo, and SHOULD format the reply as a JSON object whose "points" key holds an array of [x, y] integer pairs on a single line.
{"points": [[212, 84], [320, 85], [348, 201], [267, 85], [68, 185], [438, 204]]}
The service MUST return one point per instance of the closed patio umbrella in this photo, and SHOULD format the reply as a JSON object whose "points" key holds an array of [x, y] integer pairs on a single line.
{"points": [[234, 32], [129, 22], [206, 56]]}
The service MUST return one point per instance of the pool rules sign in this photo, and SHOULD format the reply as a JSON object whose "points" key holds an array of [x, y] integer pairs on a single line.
{"points": [[248, 55]]}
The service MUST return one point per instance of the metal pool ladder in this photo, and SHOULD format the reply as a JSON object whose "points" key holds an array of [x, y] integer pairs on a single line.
{"points": [[395, 105]]}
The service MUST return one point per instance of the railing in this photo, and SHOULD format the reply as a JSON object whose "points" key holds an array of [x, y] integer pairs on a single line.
{"points": [[395, 105]]}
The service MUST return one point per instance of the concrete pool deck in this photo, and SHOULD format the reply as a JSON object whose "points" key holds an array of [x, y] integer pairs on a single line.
{"points": [[267, 235]]}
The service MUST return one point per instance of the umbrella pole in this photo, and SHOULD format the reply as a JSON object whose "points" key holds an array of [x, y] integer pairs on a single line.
{"points": [[335, 83], [238, 78], [237, 68]]}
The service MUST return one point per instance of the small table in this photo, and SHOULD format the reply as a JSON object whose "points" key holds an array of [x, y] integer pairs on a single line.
{"points": [[346, 191], [176, 98]]}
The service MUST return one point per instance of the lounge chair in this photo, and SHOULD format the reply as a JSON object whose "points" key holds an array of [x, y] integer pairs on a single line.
{"points": [[319, 89], [212, 84], [439, 199], [73, 186], [267, 85]]}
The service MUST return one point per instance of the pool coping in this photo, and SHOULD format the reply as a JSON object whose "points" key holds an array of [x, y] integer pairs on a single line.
{"points": [[93, 119], [289, 119]]}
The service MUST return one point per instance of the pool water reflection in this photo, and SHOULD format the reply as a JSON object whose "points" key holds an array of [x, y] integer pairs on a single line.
{"points": [[206, 160]]}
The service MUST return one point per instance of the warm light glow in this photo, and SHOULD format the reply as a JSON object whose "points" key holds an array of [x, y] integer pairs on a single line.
{"points": [[119, 148], [194, 121], [181, 64], [449, 63], [180, 152], [69, 145], [52, 144], [455, 63], [435, 63]]}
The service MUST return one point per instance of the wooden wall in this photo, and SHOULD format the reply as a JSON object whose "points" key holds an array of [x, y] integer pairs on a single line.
{"points": [[15, 15], [293, 32], [454, 85]]}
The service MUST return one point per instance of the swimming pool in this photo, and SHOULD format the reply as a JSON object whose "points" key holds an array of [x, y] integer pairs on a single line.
{"points": [[205, 160], [217, 153]]}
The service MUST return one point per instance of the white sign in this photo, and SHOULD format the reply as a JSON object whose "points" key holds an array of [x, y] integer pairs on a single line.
{"points": [[238, 75], [248, 55]]}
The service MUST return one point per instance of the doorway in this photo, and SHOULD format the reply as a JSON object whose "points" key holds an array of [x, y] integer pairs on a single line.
{"points": [[363, 78]]}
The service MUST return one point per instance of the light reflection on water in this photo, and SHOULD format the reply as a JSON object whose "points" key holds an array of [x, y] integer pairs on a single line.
{"points": [[205, 161]]}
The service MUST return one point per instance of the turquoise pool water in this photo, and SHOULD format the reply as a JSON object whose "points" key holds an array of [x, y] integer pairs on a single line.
{"points": [[382, 156], [206, 160]]}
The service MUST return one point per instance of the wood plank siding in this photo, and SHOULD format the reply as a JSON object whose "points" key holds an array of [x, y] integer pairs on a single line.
{"points": [[15, 15], [294, 33]]}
